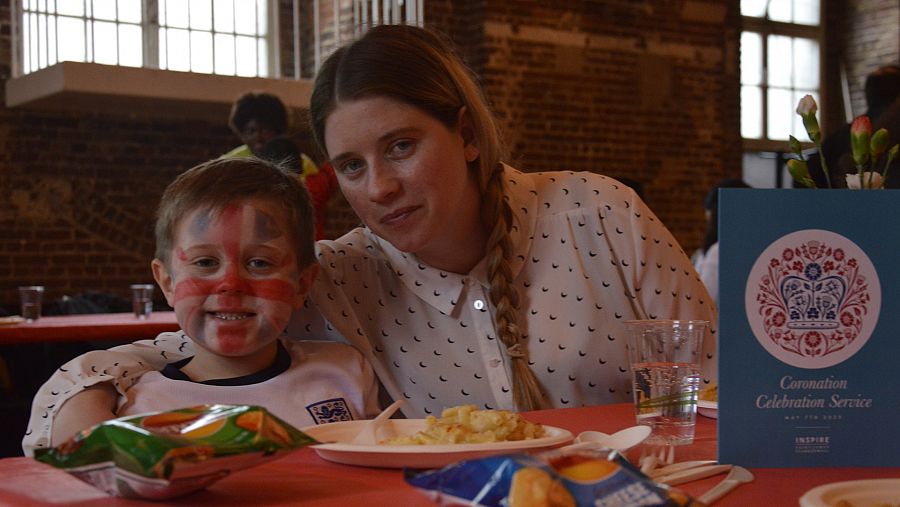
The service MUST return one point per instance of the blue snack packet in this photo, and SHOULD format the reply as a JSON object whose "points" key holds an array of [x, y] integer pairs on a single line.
{"points": [[552, 479]]}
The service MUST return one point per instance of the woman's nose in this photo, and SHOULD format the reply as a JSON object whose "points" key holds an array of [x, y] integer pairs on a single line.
{"points": [[383, 183]]}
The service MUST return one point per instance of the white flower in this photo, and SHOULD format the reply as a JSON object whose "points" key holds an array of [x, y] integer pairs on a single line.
{"points": [[853, 180], [807, 106]]}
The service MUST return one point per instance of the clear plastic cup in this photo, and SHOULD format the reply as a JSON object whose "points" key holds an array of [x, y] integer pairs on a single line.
{"points": [[665, 361], [142, 300], [31, 297]]}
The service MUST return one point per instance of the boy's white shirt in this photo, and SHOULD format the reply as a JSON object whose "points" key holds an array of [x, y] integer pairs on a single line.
{"points": [[325, 381]]}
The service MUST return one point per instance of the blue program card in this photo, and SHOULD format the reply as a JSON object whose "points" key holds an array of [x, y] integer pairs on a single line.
{"points": [[809, 327]]}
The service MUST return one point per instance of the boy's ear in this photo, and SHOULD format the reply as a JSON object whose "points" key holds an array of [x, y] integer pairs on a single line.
{"points": [[470, 141], [305, 282], [164, 280]]}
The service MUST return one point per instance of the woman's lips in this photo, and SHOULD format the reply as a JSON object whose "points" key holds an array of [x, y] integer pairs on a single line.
{"points": [[398, 215]]}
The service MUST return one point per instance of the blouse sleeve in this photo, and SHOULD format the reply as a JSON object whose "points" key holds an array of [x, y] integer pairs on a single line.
{"points": [[119, 366], [663, 282]]}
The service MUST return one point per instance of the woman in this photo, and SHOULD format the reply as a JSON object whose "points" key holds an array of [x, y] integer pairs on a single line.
{"points": [[471, 282]]}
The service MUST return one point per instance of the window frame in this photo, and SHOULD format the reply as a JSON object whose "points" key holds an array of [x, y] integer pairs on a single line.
{"points": [[766, 27], [150, 43]]}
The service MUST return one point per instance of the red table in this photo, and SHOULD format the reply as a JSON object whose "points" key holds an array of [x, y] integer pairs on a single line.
{"points": [[302, 478], [124, 327]]}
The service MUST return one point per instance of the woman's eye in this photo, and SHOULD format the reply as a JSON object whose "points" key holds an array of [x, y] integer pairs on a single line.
{"points": [[402, 148], [350, 167]]}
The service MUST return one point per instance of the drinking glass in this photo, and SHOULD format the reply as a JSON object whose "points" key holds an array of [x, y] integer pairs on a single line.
{"points": [[142, 300], [665, 361], [31, 296]]}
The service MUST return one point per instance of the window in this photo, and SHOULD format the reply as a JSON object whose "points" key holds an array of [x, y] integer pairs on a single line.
{"points": [[135, 38], [780, 63], [780, 54], [231, 37]]}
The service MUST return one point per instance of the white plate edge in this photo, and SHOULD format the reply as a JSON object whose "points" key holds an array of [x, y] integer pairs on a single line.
{"points": [[814, 497], [563, 436]]}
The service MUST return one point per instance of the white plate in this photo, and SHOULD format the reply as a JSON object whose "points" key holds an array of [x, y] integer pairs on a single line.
{"points": [[339, 450], [708, 408], [862, 493]]}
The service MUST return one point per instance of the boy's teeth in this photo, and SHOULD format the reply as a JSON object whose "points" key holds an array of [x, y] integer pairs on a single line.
{"points": [[230, 316]]}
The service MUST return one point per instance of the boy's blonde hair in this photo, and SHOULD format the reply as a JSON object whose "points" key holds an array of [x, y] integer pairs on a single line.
{"points": [[215, 184]]}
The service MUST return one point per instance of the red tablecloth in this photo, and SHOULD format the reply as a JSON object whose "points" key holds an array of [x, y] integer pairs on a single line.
{"points": [[303, 479], [124, 327]]}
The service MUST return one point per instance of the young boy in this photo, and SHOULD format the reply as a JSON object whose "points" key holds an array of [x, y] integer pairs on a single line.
{"points": [[234, 258]]}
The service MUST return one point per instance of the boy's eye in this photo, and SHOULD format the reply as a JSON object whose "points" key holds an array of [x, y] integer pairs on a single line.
{"points": [[259, 264], [205, 262]]}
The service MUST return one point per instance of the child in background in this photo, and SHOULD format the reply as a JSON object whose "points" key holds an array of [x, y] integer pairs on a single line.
{"points": [[322, 183], [260, 121], [234, 258]]}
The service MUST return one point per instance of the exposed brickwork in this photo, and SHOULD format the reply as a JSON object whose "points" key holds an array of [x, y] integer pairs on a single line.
{"points": [[872, 40], [646, 90]]}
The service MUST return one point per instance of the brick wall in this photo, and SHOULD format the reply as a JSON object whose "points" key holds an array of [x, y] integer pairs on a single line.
{"points": [[638, 90], [646, 90], [872, 39]]}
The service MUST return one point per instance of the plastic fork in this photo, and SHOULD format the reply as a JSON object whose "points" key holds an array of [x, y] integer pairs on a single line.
{"points": [[368, 435], [654, 456]]}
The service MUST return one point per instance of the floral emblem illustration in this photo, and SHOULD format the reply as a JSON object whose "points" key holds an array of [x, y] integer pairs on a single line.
{"points": [[813, 298]]}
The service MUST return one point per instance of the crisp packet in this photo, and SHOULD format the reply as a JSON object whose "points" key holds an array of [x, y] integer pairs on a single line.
{"points": [[578, 478], [162, 455]]}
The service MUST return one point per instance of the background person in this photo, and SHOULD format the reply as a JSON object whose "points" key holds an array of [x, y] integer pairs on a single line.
{"points": [[882, 92], [260, 120], [321, 185], [472, 282], [706, 259]]}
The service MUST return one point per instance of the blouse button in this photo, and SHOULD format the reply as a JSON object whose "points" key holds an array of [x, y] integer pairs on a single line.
{"points": [[494, 363], [478, 304]]}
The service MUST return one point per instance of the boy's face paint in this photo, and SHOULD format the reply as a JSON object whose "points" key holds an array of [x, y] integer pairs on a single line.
{"points": [[235, 279]]}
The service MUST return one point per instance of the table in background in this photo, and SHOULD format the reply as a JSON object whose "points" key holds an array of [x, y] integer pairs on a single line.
{"points": [[30, 352], [119, 327], [302, 478]]}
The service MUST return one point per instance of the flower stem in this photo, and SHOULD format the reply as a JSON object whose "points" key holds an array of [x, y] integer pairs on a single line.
{"points": [[887, 165], [824, 165]]}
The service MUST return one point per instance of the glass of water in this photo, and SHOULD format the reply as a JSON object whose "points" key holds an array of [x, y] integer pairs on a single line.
{"points": [[665, 361], [31, 297], [142, 299]]}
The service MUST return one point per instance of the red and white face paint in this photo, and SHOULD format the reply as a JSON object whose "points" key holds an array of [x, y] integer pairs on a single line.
{"points": [[234, 277]]}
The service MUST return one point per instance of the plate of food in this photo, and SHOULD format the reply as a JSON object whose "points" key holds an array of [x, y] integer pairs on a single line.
{"points": [[862, 493], [708, 401], [461, 433]]}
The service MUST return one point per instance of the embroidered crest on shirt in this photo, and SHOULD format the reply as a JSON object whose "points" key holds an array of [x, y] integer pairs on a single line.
{"points": [[327, 411]]}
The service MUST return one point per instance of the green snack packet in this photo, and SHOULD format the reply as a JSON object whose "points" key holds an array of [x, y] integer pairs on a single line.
{"points": [[162, 455]]}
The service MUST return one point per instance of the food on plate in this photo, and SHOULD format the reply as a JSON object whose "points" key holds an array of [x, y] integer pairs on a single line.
{"points": [[466, 424], [559, 478], [162, 455], [710, 393]]}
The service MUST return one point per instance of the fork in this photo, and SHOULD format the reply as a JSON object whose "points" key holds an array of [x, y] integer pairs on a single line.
{"points": [[653, 456]]}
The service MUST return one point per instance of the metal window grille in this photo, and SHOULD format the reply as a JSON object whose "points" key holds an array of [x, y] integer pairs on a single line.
{"points": [[230, 37], [789, 33]]}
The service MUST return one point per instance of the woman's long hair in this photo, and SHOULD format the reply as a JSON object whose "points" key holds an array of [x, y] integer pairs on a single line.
{"points": [[417, 67]]}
